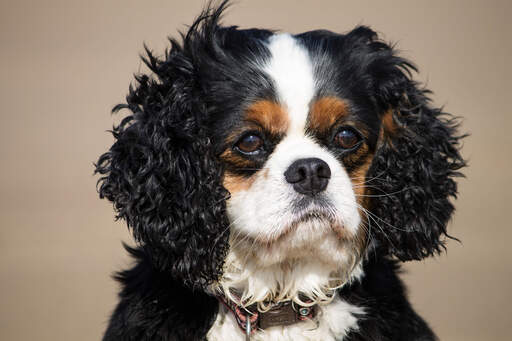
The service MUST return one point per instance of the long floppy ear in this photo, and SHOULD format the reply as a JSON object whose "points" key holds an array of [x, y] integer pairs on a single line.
{"points": [[413, 171], [161, 173]]}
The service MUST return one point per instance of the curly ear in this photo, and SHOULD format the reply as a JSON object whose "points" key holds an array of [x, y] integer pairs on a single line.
{"points": [[162, 174], [413, 171]]}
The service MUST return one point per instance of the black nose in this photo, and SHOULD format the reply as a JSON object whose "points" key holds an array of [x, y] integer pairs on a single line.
{"points": [[308, 176]]}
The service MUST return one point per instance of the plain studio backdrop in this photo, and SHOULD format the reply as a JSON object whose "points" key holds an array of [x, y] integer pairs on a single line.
{"points": [[65, 64]]}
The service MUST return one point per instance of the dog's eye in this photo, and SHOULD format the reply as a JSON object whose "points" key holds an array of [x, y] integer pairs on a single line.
{"points": [[249, 144], [346, 138]]}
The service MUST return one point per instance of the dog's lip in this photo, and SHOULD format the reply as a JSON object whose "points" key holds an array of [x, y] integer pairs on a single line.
{"points": [[312, 214], [308, 204], [304, 216], [316, 209], [319, 213]]}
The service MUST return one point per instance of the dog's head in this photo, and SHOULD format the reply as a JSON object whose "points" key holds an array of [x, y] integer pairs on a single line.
{"points": [[284, 150]]}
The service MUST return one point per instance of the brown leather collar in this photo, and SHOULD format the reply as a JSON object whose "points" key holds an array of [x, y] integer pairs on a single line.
{"points": [[249, 319]]}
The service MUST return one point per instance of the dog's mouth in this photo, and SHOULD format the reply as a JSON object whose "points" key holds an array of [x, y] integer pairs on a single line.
{"points": [[312, 216], [304, 205], [312, 220], [318, 210]]}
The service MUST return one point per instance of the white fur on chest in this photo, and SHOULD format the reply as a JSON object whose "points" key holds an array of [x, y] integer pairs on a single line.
{"points": [[332, 323]]}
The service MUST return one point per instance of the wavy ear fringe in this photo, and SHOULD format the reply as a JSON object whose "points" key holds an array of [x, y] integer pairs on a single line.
{"points": [[415, 171], [161, 173]]}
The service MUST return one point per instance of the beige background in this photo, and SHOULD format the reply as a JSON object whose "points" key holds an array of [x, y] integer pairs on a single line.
{"points": [[64, 64]]}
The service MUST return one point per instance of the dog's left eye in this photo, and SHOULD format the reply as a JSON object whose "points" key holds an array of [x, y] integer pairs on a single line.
{"points": [[249, 144], [347, 138]]}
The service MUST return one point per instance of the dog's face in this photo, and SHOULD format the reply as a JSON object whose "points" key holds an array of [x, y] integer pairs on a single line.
{"points": [[296, 162], [253, 150]]}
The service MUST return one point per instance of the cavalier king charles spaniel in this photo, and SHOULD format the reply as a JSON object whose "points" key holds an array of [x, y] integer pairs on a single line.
{"points": [[273, 183]]}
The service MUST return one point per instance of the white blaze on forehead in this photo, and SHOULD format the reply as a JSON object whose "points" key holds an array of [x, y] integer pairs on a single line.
{"points": [[291, 70]]}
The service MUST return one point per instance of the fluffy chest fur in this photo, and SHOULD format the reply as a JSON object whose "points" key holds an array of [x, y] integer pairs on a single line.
{"points": [[332, 323]]}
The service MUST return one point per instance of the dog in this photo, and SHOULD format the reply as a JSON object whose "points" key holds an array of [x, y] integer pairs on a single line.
{"points": [[273, 184]]}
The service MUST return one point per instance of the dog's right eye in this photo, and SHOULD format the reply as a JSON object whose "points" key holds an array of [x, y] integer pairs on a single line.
{"points": [[249, 144]]}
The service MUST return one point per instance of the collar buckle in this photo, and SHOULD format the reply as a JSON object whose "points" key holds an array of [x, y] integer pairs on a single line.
{"points": [[282, 314], [247, 328]]}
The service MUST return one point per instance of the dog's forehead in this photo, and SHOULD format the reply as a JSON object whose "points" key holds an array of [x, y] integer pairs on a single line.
{"points": [[291, 70], [297, 75]]}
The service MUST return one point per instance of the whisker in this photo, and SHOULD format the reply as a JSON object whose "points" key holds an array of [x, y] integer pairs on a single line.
{"points": [[374, 216], [369, 215], [384, 195]]}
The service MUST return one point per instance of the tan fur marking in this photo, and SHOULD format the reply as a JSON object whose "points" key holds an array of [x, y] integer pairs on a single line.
{"points": [[359, 154], [358, 178], [325, 112], [234, 183], [270, 115], [361, 190], [388, 124], [229, 157]]}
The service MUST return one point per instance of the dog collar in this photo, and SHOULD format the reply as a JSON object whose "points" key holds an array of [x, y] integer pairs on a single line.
{"points": [[249, 319]]}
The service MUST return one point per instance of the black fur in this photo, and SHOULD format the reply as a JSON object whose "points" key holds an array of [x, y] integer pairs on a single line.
{"points": [[388, 314], [164, 176], [418, 166], [155, 306]]}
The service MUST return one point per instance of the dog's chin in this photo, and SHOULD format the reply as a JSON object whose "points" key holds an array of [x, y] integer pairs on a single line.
{"points": [[310, 258], [309, 235]]}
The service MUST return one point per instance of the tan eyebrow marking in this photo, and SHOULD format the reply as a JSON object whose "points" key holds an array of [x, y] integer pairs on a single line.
{"points": [[270, 115], [325, 112]]}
